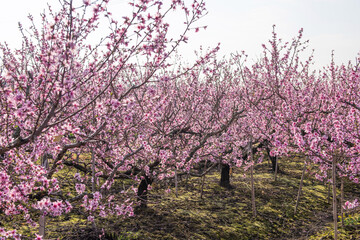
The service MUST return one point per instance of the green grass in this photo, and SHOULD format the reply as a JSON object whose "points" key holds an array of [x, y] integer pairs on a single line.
{"points": [[223, 213], [227, 214]]}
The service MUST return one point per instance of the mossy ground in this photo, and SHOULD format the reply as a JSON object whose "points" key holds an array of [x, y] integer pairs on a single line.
{"points": [[225, 213]]}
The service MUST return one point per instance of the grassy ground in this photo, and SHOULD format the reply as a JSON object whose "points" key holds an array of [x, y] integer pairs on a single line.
{"points": [[227, 214], [223, 213]]}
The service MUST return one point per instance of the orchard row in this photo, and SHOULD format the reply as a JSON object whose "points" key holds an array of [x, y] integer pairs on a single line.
{"points": [[142, 115]]}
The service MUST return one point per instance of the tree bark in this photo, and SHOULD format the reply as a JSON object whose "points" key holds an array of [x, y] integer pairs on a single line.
{"points": [[273, 161], [186, 181], [225, 176], [142, 191]]}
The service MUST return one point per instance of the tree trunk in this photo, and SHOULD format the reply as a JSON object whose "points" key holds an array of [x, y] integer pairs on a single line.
{"points": [[225, 176], [300, 188], [186, 181], [273, 161], [334, 197], [45, 161], [142, 191]]}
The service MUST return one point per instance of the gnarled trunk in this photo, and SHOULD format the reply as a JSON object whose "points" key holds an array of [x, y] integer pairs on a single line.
{"points": [[273, 161], [142, 191], [225, 176]]}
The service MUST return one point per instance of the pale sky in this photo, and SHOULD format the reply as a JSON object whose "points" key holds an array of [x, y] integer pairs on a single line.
{"points": [[241, 25]]}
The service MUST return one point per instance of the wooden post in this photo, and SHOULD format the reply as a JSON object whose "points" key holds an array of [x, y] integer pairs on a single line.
{"points": [[276, 168], [334, 197], [300, 187], [203, 180], [329, 191], [176, 183], [93, 187], [202, 186], [342, 202], [77, 160], [252, 179], [42, 222]]}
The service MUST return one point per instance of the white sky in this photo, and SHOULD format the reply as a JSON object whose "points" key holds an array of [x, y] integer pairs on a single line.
{"points": [[241, 25]]}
